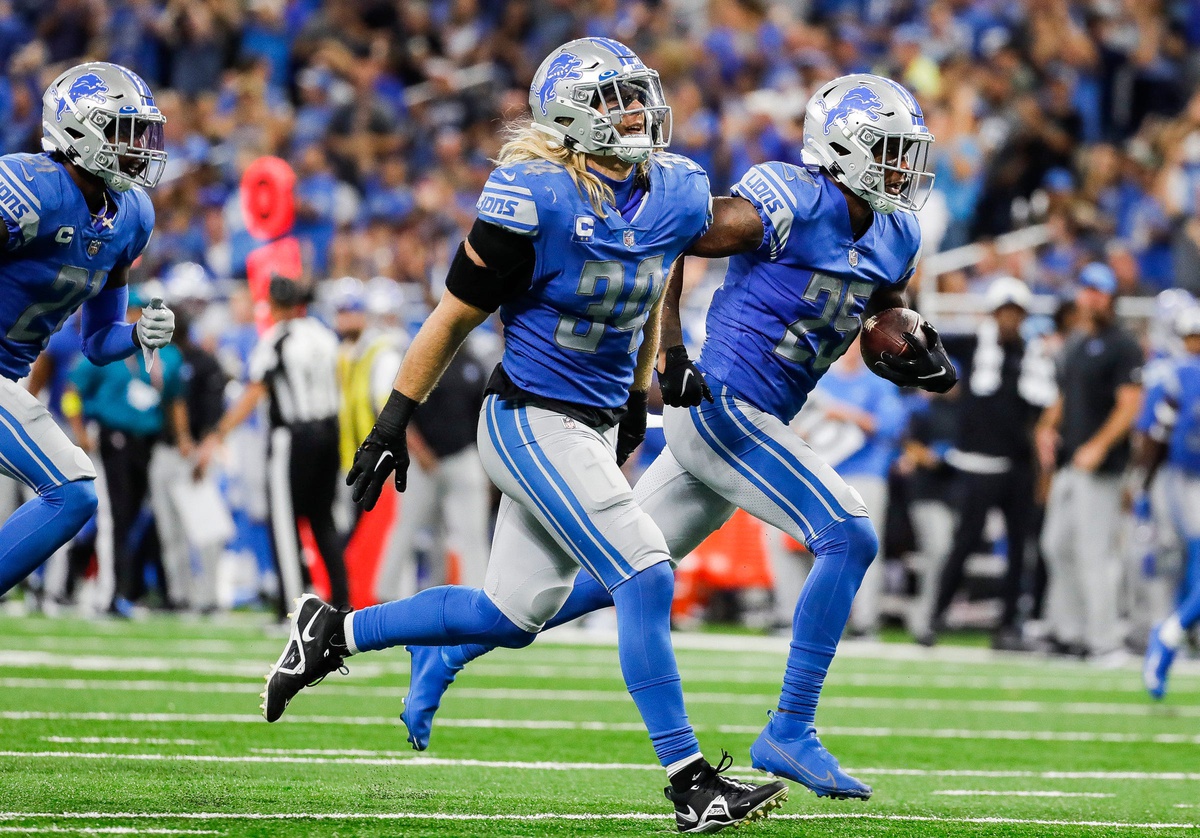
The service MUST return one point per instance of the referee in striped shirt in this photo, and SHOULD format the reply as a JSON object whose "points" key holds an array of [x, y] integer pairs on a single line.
{"points": [[294, 366]]}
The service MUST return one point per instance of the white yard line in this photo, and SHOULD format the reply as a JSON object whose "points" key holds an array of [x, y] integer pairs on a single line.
{"points": [[102, 830], [1056, 679], [556, 816], [622, 727], [115, 740], [1035, 775], [993, 793], [621, 697]]}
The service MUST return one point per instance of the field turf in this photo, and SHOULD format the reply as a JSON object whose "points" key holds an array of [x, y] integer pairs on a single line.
{"points": [[152, 728]]}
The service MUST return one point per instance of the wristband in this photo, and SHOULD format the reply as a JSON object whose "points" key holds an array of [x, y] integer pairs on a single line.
{"points": [[637, 401], [393, 419]]}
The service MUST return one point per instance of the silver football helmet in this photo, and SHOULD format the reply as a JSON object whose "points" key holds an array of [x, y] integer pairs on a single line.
{"points": [[584, 90], [102, 118], [861, 128]]}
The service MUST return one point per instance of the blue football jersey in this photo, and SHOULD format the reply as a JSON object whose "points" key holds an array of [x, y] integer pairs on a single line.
{"points": [[789, 309], [1181, 385], [574, 335], [55, 259]]}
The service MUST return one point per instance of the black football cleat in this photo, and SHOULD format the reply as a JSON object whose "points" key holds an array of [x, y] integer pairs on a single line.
{"points": [[713, 802], [310, 654]]}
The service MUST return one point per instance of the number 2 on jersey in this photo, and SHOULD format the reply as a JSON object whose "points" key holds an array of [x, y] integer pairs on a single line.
{"points": [[583, 334], [71, 287], [838, 312]]}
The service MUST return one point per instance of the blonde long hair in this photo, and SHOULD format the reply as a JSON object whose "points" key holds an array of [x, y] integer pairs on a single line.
{"points": [[524, 143]]}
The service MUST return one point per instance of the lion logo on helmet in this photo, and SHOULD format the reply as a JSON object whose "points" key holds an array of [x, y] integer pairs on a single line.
{"points": [[89, 86], [566, 66], [857, 99]]}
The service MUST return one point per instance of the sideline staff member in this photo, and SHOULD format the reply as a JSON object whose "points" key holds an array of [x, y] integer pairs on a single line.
{"points": [[295, 365]]}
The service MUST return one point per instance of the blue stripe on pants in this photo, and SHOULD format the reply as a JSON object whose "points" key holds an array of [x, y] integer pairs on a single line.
{"points": [[23, 455], [513, 438], [801, 472]]}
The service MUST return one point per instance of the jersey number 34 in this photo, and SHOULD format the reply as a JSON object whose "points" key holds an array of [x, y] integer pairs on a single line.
{"points": [[583, 334]]}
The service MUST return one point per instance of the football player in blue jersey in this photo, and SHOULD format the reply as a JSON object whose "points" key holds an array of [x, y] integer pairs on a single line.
{"points": [[577, 228], [815, 248], [1172, 409], [75, 218]]}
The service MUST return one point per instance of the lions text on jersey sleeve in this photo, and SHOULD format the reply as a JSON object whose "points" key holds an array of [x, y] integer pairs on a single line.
{"points": [[56, 258], [789, 309], [573, 335]]}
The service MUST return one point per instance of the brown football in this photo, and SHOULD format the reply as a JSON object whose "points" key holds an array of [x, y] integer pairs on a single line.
{"points": [[884, 332]]}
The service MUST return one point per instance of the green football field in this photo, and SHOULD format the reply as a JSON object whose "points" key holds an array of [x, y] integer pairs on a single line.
{"points": [[152, 728]]}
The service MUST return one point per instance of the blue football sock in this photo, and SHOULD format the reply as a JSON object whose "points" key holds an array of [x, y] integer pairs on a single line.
{"points": [[1190, 583], [587, 596], [443, 616], [41, 526], [648, 661], [843, 552], [1189, 608]]}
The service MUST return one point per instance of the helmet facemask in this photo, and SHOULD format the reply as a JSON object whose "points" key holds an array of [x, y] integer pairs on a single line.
{"points": [[896, 158], [613, 101], [133, 151]]}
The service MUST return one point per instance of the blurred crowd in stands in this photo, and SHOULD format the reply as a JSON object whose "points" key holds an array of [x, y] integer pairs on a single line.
{"points": [[1079, 116]]}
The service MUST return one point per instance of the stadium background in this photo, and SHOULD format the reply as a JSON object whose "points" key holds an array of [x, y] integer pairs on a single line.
{"points": [[1066, 132]]}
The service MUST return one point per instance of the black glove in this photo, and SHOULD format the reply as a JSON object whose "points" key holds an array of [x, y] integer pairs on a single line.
{"points": [[632, 429], [385, 449], [929, 367], [681, 383]]}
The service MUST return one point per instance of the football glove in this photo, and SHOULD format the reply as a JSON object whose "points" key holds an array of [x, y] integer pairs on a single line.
{"points": [[928, 368], [155, 327], [383, 451], [681, 383], [632, 429]]}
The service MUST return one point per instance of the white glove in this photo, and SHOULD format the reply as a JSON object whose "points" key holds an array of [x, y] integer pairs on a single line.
{"points": [[155, 327]]}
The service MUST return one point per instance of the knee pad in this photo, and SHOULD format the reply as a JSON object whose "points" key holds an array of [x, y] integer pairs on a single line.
{"points": [[77, 499], [854, 538]]}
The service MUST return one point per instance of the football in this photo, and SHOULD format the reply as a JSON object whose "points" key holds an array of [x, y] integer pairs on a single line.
{"points": [[884, 332]]}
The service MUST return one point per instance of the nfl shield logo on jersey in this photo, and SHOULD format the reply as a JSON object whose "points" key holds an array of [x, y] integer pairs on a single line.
{"points": [[628, 238], [94, 247], [853, 256]]}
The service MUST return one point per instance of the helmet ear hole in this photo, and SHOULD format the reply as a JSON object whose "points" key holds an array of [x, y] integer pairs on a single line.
{"points": [[840, 149], [73, 133]]}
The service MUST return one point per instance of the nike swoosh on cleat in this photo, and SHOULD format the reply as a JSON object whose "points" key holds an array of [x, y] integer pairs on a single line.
{"points": [[689, 816], [828, 779], [307, 635]]}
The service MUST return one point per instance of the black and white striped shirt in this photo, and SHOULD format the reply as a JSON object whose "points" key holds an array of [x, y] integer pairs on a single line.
{"points": [[297, 360]]}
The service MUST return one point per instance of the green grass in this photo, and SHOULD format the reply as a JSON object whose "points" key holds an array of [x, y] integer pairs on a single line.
{"points": [[103, 721]]}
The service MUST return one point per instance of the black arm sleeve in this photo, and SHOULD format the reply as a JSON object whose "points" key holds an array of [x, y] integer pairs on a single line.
{"points": [[509, 258]]}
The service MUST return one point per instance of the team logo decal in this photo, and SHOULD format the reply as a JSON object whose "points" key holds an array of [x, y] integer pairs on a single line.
{"points": [[862, 99], [628, 238], [94, 247], [88, 86], [566, 66], [853, 256]]}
